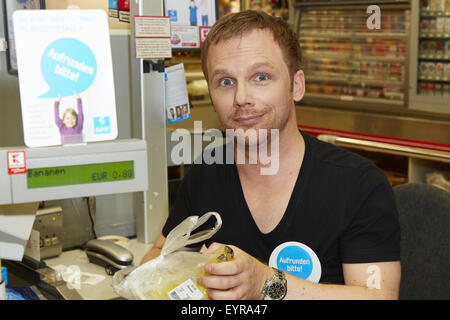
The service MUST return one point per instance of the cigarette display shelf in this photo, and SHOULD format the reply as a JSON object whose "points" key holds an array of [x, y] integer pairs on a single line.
{"points": [[435, 35], [344, 60], [314, 34], [435, 79], [435, 56], [430, 80], [438, 13]]}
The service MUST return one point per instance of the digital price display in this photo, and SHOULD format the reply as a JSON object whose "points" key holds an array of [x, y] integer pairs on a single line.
{"points": [[80, 174]]}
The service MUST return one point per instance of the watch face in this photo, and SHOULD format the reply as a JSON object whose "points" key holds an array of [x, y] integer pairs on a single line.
{"points": [[276, 291]]}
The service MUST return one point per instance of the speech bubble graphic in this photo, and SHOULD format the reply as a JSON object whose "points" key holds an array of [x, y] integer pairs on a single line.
{"points": [[67, 65]]}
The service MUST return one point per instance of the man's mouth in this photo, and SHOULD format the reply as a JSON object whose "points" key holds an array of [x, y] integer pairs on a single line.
{"points": [[248, 119]]}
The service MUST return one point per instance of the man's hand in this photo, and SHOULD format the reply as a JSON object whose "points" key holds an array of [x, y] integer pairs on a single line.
{"points": [[241, 278]]}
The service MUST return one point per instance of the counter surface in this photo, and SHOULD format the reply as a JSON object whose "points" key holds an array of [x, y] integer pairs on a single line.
{"points": [[94, 283]]}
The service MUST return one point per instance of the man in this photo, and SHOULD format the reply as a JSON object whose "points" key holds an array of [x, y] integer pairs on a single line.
{"points": [[326, 215]]}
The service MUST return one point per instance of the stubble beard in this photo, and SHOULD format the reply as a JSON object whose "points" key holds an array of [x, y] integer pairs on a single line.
{"points": [[250, 140]]}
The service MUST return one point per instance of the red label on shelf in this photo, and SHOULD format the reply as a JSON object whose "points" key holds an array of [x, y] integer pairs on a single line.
{"points": [[124, 5], [16, 162]]}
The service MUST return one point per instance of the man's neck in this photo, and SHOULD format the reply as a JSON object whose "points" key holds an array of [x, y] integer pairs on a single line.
{"points": [[291, 148]]}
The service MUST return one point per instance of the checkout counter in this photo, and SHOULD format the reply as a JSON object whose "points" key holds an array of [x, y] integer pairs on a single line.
{"points": [[87, 170], [70, 276], [135, 207]]}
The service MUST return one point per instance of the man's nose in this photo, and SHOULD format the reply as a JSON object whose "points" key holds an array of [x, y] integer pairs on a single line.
{"points": [[243, 95]]}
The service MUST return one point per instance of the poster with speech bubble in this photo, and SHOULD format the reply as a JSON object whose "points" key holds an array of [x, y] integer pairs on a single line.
{"points": [[65, 76]]}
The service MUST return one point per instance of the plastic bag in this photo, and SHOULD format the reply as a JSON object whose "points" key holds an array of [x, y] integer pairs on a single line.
{"points": [[173, 274]]}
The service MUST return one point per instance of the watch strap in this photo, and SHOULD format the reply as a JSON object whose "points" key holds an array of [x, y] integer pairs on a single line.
{"points": [[278, 283]]}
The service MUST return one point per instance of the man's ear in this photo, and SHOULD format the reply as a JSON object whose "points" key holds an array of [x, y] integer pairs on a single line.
{"points": [[298, 86]]}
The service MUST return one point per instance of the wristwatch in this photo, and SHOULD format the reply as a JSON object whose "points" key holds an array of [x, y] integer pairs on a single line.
{"points": [[275, 288]]}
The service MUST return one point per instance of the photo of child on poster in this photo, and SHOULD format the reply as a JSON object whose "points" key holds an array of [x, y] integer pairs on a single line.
{"points": [[70, 124]]}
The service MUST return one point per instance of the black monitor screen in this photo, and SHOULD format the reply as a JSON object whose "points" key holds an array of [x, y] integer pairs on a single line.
{"points": [[9, 6]]}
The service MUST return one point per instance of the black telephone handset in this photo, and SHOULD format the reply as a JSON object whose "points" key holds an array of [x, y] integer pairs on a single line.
{"points": [[108, 254]]}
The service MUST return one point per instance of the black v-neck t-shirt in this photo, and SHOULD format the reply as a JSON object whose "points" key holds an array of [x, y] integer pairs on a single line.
{"points": [[342, 207]]}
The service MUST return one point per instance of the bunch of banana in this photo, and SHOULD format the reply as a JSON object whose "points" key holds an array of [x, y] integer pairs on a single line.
{"points": [[222, 254]]}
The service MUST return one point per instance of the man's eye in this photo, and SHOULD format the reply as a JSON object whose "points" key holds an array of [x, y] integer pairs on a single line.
{"points": [[226, 82], [262, 77]]}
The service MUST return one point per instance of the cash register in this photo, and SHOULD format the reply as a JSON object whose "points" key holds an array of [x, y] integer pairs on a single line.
{"points": [[59, 173]]}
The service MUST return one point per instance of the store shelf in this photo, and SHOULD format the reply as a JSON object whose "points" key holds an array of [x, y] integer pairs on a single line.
{"points": [[436, 56], [192, 75], [429, 74], [345, 61], [352, 80], [309, 54], [388, 148], [422, 165], [435, 35], [435, 79], [303, 3], [346, 35], [201, 103], [354, 98], [428, 14]]}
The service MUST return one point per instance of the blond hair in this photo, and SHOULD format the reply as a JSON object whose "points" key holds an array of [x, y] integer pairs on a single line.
{"points": [[71, 112], [239, 23]]}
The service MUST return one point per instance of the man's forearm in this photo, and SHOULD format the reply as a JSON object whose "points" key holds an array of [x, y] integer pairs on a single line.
{"points": [[299, 289], [151, 254]]}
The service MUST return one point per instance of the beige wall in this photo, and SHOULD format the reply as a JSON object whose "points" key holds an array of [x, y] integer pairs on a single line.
{"points": [[11, 133]]}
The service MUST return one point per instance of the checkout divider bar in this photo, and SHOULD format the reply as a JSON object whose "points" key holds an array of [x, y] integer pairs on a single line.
{"points": [[388, 148]]}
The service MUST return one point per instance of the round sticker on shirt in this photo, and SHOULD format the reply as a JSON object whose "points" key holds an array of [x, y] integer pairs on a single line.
{"points": [[297, 259]]}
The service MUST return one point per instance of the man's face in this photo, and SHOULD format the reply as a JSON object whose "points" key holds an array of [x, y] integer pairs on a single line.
{"points": [[249, 82]]}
